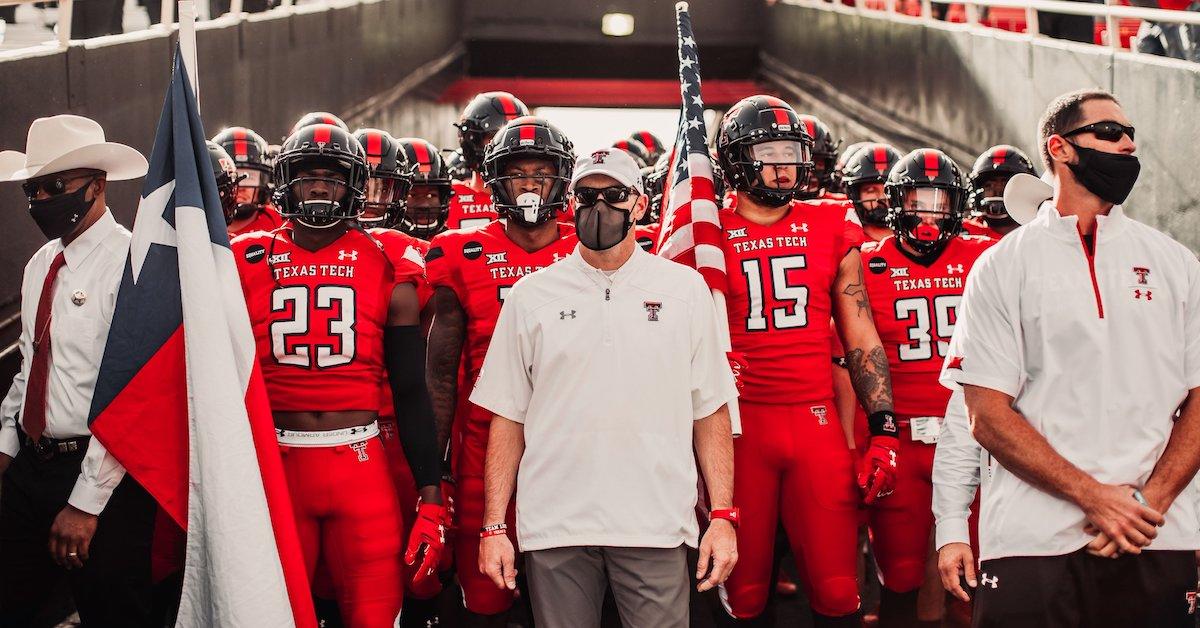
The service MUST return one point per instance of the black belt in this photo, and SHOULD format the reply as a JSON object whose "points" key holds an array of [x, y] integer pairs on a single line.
{"points": [[47, 448]]}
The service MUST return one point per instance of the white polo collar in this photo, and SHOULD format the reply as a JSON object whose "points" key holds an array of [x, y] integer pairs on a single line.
{"points": [[628, 269], [1067, 227]]}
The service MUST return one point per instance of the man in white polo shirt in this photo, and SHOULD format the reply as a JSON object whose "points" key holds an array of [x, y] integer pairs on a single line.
{"points": [[1078, 349], [608, 384]]}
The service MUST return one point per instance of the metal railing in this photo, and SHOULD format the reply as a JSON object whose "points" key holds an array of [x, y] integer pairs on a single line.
{"points": [[1110, 11], [167, 17]]}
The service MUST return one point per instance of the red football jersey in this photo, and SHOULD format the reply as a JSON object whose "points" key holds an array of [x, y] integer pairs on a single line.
{"points": [[647, 236], [780, 305], [480, 265], [412, 250], [267, 219], [470, 209], [915, 309], [318, 316]]}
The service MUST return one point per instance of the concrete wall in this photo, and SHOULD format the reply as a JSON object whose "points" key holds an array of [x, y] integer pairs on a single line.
{"points": [[967, 89], [263, 73]]}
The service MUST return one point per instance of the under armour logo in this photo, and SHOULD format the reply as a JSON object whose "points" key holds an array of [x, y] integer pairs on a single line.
{"points": [[954, 268], [563, 315], [899, 272], [1137, 294], [736, 233], [557, 257], [360, 448], [653, 309], [497, 258], [798, 228], [342, 255], [993, 581]]}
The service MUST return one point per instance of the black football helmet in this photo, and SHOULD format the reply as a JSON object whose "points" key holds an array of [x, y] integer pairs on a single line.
{"points": [[318, 117], [227, 177], [654, 180], [824, 156], [759, 120], [388, 181], [837, 184], [456, 165], [481, 119], [637, 150], [428, 206], [528, 137], [320, 201], [870, 164], [251, 157], [926, 182], [653, 145], [996, 164]]}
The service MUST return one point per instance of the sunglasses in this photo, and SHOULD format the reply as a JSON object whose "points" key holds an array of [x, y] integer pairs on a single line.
{"points": [[612, 195], [52, 186], [1107, 131]]}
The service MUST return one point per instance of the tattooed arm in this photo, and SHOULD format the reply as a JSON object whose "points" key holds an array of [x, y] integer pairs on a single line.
{"points": [[865, 358], [446, 336]]}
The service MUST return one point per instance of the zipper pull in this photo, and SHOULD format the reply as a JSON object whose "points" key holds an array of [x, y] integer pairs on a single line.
{"points": [[608, 294]]}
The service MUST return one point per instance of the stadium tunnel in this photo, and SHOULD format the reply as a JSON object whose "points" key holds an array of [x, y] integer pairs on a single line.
{"points": [[409, 66]]}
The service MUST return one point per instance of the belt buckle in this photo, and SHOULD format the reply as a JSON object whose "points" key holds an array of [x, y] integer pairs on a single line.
{"points": [[43, 449]]}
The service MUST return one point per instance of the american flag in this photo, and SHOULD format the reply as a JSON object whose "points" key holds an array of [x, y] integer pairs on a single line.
{"points": [[691, 230]]}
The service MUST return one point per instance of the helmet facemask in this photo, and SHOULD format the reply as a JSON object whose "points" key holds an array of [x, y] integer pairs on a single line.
{"points": [[318, 192], [772, 172], [927, 218], [425, 212], [383, 200], [987, 199], [873, 207], [529, 192]]}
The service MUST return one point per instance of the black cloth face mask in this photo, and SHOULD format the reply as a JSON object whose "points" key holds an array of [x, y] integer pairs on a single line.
{"points": [[601, 226], [1108, 175], [58, 215]]}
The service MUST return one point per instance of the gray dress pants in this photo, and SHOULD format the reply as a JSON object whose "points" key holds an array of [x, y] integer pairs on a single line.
{"points": [[650, 585]]}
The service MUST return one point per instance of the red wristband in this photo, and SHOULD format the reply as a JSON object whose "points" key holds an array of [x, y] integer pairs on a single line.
{"points": [[732, 515]]}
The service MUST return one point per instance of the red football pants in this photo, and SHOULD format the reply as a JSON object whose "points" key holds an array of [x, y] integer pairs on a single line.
{"points": [[348, 515], [792, 464], [902, 522], [480, 594]]}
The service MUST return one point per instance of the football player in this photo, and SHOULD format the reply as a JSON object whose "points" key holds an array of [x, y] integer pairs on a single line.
{"points": [[481, 119], [985, 188], [637, 150], [253, 210], [915, 281], [527, 167], [864, 176], [824, 157], [227, 178], [318, 117], [794, 266], [428, 204], [838, 185], [654, 145], [335, 314]]}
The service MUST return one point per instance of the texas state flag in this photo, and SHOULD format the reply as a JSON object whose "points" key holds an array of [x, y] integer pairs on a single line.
{"points": [[180, 400]]}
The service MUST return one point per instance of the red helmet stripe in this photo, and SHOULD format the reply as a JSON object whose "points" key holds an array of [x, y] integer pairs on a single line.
{"points": [[424, 161], [321, 134], [810, 127], [239, 143], [528, 132], [998, 156], [374, 148], [932, 164], [508, 107], [881, 159], [328, 120], [648, 140], [622, 144]]}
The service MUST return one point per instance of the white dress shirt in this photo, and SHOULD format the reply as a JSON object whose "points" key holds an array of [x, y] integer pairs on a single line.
{"points": [[956, 464], [1097, 352], [81, 313], [608, 375]]}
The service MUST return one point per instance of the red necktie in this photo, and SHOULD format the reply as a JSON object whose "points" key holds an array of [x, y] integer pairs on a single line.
{"points": [[34, 417]]}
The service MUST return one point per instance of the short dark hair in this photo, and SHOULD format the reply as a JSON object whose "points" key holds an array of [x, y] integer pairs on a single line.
{"points": [[1064, 114]]}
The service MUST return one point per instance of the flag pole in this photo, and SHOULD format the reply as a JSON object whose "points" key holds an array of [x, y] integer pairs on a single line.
{"points": [[187, 44]]}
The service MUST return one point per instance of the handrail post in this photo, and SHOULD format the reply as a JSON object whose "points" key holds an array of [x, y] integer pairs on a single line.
{"points": [[65, 8], [167, 14], [972, 12], [927, 9], [1031, 21], [1113, 26]]}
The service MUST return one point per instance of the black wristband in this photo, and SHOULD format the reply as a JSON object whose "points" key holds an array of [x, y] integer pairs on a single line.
{"points": [[883, 423]]}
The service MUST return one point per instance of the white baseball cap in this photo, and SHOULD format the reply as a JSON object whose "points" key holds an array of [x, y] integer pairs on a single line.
{"points": [[613, 162]]}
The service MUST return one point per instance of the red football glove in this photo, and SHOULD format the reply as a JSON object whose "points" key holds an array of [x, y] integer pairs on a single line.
{"points": [[877, 468], [451, 529], [737, 364], [429, 535]]}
